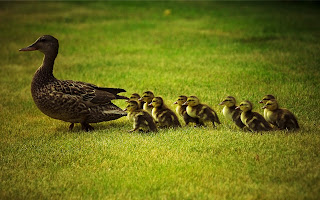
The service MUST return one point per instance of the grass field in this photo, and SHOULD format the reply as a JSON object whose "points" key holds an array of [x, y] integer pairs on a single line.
{"points": [[207, 49]]}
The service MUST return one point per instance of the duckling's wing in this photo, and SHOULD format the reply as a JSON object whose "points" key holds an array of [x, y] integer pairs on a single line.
{"points": [[90, 94]]}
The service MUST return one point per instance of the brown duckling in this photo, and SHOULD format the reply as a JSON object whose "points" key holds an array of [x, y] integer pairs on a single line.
{"points": [[182, 110], [280, 117], [147, 98], [253, 120], [67, 100], [141, 119], [264, 101], [201, 111], [230, 111], [163, 115], [136, 97]]}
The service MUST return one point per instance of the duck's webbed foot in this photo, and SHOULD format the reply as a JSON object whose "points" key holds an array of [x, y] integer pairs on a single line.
{"points": [[71, 126], [86, 127]]}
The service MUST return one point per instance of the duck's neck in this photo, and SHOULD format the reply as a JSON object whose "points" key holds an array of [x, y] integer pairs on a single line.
{"points": [[44, 74]]}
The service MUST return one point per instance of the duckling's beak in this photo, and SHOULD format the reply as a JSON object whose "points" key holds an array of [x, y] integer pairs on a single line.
{"points": [[141, 99], [29, 48], [175, 102], [125, 109], [264, 107], [222, 103], [127, 100], [150, 104], [238, 108], [261, 101], [185, 103]]}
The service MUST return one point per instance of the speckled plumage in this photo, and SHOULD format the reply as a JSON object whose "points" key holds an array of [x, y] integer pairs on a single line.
{"points": [[182, 110], [67, 100], [230, 111]]}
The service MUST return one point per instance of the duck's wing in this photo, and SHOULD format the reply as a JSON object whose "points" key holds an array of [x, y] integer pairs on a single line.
{"points": [[90, 94]]}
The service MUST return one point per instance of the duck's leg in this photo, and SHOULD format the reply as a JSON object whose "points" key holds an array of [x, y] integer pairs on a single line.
{"points": [[71, 126], [85, 126]]}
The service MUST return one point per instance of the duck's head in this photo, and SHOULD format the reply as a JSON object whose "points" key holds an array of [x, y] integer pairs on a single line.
{"points": [[229, 101], [192, 101], [181, 100], [271, 105], [267, 98], [156, 102], [245, 106], [134, 96], [147, 96], [132, 106], [47, 44]]}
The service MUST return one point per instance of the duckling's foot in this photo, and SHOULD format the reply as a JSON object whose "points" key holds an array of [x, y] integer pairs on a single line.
{"points": [[71, 126], [86, 127]]}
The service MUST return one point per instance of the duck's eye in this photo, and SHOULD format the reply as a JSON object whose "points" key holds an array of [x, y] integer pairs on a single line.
{"points": [[269, 104]]}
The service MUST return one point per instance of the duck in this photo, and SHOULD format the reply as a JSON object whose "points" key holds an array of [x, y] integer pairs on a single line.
{"points": [[147, 98], [264, 101], [163, 115], [181, 110], [253, 120], [230, 112], [68, 100], [142, 120], [281, 118], [136, 97], [203, 112]]}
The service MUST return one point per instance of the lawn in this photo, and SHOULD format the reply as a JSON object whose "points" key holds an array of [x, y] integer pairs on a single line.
{"points": [[207, 49]]}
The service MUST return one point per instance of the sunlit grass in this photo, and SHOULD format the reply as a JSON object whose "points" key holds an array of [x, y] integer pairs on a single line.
{"points": [[201, 48]]}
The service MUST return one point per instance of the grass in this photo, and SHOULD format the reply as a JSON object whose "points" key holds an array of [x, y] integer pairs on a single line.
{"points": [[208, 49]]}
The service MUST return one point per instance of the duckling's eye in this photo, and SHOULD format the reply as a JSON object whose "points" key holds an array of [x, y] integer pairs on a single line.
{"points": [[269, 104]]}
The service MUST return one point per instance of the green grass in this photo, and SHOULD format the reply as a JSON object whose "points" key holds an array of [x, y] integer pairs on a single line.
{"points": [[208, 49]]}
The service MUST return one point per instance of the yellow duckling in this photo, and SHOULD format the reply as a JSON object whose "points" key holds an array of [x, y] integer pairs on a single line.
{"points": [[147, 98], [141, 119], [201, 111], [136, 97], [280, 117], [253, 120], [230, 111], [182, 110], [163, 115], [264, 101]]}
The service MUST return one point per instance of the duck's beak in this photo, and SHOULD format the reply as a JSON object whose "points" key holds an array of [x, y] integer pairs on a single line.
{"points": [[150, 104], [141, 99], [238, 108], [264, 107], [221, 103], [185, 103], [175, 102], [29, 48], [125, 109], [261, 101]]}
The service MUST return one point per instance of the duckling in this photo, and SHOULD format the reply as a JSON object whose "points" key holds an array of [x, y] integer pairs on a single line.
{"points": [[280, 117], [201, 111], [163, 115], [141, 119], [253, 120], [147, 98], [230, 111], [264, 101], [182, 110], [136, 97]]}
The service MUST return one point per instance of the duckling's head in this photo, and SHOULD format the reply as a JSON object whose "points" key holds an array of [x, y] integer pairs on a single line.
{"points": [[267, 98], [134, 96], [229, 101], [271, 105], [192, 101], [147, 96], [181, 100], [132, 106], [47, 44], [245, 106], [157, 102]]}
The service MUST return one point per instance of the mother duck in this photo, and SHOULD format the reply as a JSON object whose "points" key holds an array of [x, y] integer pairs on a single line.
{"points": [[67, 100]]}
